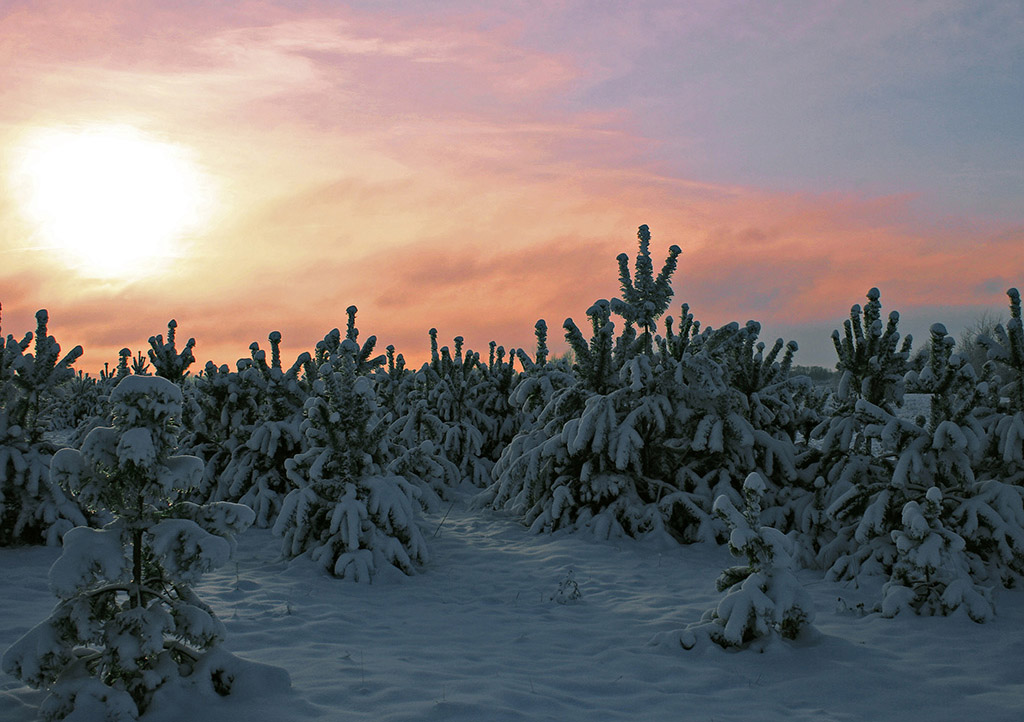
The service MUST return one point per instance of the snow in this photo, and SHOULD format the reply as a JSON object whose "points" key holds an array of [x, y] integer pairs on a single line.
{"points": [[186, 550], [89, 554], [136, 447], [479, 634], [154, 387]]}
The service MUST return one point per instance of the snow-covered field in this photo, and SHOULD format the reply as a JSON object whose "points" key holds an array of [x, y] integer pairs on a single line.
{"points": [[477, 636]]}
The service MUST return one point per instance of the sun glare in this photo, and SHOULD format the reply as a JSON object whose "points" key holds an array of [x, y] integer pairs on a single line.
{"points": [[110, 201]]}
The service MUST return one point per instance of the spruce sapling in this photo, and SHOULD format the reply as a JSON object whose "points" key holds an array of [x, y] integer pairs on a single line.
{"points": [[32, 509], [347, 511], [763, 599], [127, 620], [931, 574]]}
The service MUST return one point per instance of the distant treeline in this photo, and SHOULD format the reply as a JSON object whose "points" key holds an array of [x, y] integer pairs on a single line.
{"points": [[820, 375]]}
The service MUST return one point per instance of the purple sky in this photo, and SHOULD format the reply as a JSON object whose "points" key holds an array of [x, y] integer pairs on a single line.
{"points": [[476, 166]]}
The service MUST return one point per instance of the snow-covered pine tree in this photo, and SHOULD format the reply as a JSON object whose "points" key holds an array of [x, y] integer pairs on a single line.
{"points": [[37, 376], [579, 467], [32, 509], [773, 404], [394, 382], [347, 511], [450, 384], [222, 406], [848, 526], [943, 451], [107, 382], [763, 599], [256, 474], [416, 434], [975, 526], [333, 345], [541, 377], [644, 297], [596, 456], [76, 402], [595, 364], [168, 362], [123, 367], [428, 449], [989, 416], [738, 410], [675, 342], [936, 530], [871, 365], [128, 621], [931, 574], [933, 570], [140, 366], [100, 416], [1005, 348], [492, 398], [709, 447], [781, 407], [11, 349], [417, 443]]}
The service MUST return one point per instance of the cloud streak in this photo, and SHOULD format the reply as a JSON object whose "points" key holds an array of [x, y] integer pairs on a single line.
{"points": [[476, 171]]}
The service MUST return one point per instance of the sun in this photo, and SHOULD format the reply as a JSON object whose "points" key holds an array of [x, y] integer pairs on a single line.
{"points": [[109, 201]]}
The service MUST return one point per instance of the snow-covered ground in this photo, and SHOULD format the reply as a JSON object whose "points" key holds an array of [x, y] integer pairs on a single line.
{"points": [[477, 636]]}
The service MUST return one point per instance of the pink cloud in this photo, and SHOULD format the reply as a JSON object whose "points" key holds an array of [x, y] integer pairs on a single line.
{"points": [[433, 171]]}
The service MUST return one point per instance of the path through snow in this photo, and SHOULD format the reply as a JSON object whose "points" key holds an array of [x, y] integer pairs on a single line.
{"points": [[477, 636]]}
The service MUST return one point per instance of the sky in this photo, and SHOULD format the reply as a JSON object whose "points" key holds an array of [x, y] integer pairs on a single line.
{"points": [[475, 166]]}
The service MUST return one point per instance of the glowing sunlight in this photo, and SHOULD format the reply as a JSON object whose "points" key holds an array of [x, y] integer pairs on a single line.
{"points": [[109, 201]]}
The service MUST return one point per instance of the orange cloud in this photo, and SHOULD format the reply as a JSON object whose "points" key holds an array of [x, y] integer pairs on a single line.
{"points": [[431, 172]]}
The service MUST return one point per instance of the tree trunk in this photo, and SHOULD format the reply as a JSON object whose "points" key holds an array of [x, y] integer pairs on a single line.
{"points": [[137, 556], [136, 568]]}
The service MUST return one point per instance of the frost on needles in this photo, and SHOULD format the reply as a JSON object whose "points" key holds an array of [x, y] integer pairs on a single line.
{"points": [[127, 621]]}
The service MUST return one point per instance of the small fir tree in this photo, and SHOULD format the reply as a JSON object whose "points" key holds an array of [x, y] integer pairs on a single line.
{"points": [[140, 366], [541, 377], [981, 464], [168, 362], [417, 442], [492, 394], [256, 474], [933, 505], [75, 403], [123, 368], [779, 405], [452, 385], [333, 345], [1005, 347], [347, 511], [848, 529], [931, 574], [644, 297], [763, 599], [646, 435], [222, 406], [32, 509], [128, 621], [871, 360], [580, 465], [394, 383]]}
